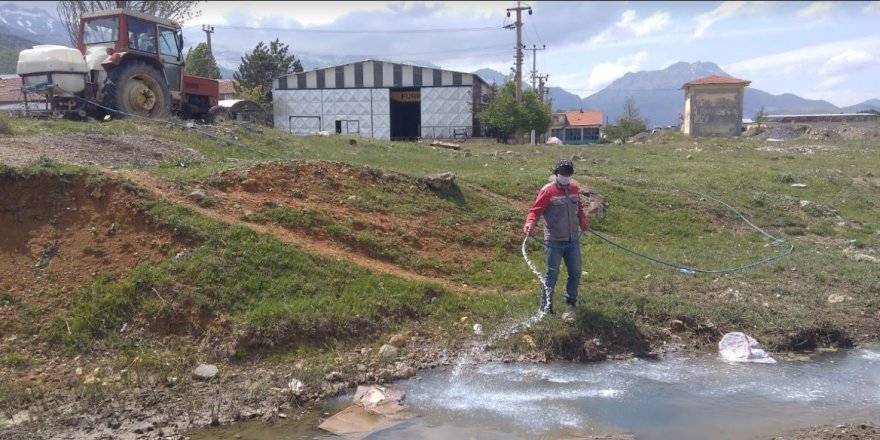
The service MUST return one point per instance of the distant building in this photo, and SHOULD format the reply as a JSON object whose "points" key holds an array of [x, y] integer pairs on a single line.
{"points": [[577, 127], [227, 89], [382, 100], [11, 97], [825, 117], [713, 106]]}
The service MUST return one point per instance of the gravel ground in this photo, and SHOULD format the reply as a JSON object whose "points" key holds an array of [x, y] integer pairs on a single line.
{"points": [[91, 149]]}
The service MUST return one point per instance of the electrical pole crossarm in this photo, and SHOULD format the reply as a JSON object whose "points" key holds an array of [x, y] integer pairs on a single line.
{"points": [[519, 57]]}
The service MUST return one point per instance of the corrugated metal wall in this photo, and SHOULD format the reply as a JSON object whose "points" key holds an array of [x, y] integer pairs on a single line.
{"points": [[361, 111], [445, 109], [358, 94]]}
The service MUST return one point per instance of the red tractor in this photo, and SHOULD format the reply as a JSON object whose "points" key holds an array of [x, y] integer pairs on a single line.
{"points": [[127, 63]]}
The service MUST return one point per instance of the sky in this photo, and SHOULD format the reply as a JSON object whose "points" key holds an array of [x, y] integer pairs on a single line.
{"points": [[818, 50]]}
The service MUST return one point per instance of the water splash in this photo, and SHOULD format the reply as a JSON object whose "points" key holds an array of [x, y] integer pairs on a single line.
{"points": [[871, 355], [478, 348]]}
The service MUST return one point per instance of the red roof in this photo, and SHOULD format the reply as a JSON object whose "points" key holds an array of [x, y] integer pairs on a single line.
{"points": [[582, 118], [227, 86], [717, 79]]}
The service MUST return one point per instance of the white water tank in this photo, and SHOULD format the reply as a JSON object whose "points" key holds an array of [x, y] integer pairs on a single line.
{"points": [[63, 66]]}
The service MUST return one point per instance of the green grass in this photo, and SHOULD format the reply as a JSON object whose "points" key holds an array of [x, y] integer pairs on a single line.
{"points": [[279, 293]]}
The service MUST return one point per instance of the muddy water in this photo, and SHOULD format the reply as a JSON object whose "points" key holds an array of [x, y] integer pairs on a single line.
{"points": [[678, 397]]}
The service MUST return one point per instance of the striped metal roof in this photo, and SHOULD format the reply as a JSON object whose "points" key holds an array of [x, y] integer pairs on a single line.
{"points": [[375, 74]]}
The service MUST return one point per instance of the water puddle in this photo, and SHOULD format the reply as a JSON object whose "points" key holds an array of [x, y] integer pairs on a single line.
{"points": [[678, 397]]}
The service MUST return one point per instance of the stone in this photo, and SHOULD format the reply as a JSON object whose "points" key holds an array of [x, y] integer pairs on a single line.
{"points": [[404, 371], [388, 351], [835, 298], [19, 418], [440, 182], [397, 341], [334, 376], [250, 185], [866, 258], [350, 421], [198, 195], [205, 372]]}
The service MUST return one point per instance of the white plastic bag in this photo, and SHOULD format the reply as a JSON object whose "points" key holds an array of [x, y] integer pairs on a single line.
{"points": [[740, 347]]}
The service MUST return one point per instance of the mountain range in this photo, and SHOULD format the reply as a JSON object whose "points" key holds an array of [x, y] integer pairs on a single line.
{"points": [[659, 96], [656, 93]]}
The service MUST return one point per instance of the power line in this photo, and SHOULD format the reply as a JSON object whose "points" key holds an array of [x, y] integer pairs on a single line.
{"points": [[535, 30], [486, 50], [364, 31], [623, 90], [492, 48]]}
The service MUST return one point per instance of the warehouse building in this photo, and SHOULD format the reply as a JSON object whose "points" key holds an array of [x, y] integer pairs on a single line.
{"points": [[381, 100]]}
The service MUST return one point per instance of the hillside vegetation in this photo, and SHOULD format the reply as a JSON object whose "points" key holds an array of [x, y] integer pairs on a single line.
{"points": [[10, 46], [250, 247]]}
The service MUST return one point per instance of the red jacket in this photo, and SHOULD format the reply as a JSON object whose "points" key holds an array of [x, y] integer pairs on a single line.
{"points": [[562, 210]]}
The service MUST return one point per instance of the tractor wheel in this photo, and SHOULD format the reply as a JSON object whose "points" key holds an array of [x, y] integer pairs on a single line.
{"points": [[137, 89], [217, 114]]}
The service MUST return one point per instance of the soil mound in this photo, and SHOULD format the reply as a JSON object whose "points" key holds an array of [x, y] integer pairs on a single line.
{"points": [[62, 232]]}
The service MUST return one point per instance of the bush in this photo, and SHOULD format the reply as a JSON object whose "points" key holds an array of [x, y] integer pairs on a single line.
{"points": [[5, 129]]}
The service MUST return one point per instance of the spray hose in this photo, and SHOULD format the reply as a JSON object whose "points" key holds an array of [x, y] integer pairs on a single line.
{"points": [[687, 270]]}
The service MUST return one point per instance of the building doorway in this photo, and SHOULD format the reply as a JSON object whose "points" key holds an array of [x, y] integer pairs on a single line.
{"points": [[406, 113]]}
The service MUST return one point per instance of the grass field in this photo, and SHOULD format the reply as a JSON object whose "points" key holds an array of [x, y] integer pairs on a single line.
{"points": [[284, 299]]}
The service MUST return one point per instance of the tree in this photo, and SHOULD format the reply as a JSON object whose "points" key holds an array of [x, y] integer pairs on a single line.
{"points": [[761, 116], [199, 62], [70, 11], [629, 124], [504, 116], [259, 67]]}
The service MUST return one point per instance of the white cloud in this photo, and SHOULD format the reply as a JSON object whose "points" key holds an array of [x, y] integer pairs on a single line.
{"points": [[484, 9], [847, 61], [605, 73], [305, 13], [838, 97], [816, 9], [628, 25], [724, 11], [872, 8], [656, 22], [819, 53], [831, 83]]}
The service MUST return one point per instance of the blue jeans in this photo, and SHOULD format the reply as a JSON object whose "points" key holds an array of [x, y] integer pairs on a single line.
{"points": [[570, 251]]}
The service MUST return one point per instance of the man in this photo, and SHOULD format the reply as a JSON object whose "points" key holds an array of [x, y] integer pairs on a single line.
{"points": [[559, 203]]}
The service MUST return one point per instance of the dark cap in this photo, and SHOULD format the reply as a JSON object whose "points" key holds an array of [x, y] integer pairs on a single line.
{"points": [[564, 166]]}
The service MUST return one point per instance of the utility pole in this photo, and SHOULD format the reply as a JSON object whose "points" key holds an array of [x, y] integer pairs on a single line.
{"points": [[541, 91], [208, 31], [539, 138], [519, 57], [534, 50]]}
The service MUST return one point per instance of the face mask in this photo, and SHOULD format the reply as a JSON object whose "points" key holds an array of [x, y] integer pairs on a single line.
{"points": [[563, 180]]}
